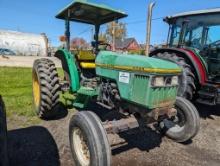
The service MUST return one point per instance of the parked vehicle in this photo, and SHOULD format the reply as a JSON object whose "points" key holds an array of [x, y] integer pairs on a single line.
{"points": [[194, 44], [141, 89], [5, 51]]}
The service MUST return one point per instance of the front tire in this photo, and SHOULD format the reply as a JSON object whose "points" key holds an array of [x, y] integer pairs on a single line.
{"points": [[185, 125], [88, 140], [3, 135], [46, 88]]}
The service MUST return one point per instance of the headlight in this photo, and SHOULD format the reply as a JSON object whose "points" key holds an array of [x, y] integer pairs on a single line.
{"points": [[164, 81], [158, 81], [174, 80]]}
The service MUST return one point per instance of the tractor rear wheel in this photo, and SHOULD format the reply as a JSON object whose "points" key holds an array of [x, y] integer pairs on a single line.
{"points": [[88, 140], [46, 88], [185, 125], [187, 87], [3, 135]]}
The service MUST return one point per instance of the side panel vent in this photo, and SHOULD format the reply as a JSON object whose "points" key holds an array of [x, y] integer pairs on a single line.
{"points": [[139, 89]]}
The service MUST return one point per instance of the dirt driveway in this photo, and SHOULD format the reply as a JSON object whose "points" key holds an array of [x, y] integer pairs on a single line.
{"points": [[23, 61], [47, 144]]}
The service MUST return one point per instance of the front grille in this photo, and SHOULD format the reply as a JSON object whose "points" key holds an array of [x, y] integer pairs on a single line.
{"points": [[153, 97]]}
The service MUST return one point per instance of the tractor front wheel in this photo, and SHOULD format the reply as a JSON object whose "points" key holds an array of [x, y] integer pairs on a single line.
{"points": [[185, 125], [88, 140], [3, 135], [46, 88]]}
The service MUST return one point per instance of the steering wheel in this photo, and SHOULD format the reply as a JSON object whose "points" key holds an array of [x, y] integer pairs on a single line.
{"points": [[196, 43], [106, 45], [215, 44], [101, 43]]}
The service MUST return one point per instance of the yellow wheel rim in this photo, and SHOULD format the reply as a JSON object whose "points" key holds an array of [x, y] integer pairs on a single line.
{"points": [[36, 89]]}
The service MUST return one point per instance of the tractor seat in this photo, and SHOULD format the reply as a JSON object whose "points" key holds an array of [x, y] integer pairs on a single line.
{"points": [[86, 59], [85, 55], [87, 65]]}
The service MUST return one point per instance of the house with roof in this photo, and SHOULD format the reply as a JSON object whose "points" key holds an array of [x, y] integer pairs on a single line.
{"points": [[127, 44]]}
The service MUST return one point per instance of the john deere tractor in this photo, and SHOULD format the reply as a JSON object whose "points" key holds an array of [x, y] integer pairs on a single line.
{"points": [[140, 90], [194, 44]]}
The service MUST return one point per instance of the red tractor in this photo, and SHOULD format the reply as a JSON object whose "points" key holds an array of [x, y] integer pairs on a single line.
{"points": [[194, 44]]}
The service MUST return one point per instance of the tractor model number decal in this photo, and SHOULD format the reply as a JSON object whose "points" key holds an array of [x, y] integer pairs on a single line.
{"points": [[124, 77]]}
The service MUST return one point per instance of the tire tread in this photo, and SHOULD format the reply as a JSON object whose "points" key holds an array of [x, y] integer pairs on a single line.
{"points": [[49, 85]]}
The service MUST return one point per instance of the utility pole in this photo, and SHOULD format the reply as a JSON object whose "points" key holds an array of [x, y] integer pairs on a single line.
{"points": [[149, 20], [113, 36], [67, 31], [92, 34]]}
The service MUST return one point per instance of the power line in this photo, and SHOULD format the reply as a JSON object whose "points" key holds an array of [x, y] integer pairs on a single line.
{"points": [[158, 18], [127, 23], [84, 31], [142, 21]]}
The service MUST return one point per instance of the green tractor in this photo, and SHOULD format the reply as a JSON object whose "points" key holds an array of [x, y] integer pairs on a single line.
{"points": [[142, 90], [3, 135], [194, 44]]}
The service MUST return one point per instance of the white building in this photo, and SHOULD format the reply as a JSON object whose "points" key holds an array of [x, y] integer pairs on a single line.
{"points": [[26, 44]]}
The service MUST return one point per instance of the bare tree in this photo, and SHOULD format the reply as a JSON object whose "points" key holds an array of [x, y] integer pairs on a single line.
{"points": [[78, 43], [116, 30]]}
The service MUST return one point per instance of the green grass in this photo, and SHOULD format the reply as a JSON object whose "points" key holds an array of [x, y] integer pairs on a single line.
{"points": [[16, 90]]}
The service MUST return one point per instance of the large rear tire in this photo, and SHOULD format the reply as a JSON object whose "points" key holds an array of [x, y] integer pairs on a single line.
{"points": [[185, 125], [3, 135], [46, 88], [187, 81], [88, 140]]}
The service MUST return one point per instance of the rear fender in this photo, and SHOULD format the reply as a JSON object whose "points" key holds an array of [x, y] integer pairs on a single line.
{"points": [[70, 69], [191, 58]]}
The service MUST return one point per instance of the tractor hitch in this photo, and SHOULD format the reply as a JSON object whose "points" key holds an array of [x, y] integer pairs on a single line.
{"points": [[168, 112], [117, 126]]}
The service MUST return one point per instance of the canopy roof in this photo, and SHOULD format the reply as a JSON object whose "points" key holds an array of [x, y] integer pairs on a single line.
{"points": [[90, 13], [192, 13]]}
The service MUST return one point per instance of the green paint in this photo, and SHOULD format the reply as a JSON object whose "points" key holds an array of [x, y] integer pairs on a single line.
{"points": [[73, 72], [90, 13], [83, 96], [135, 61], [138, 89], [87, 91], [84, 2], [132, 73]]}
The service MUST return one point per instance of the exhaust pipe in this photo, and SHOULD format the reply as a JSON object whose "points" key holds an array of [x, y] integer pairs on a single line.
{"points": [[149, 18]]}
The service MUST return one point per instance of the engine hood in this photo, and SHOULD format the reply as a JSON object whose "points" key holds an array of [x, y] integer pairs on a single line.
{"points": [[137, 63]]}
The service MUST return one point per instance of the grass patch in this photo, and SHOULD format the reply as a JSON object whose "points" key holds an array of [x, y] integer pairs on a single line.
{"points": [[16, 90]]}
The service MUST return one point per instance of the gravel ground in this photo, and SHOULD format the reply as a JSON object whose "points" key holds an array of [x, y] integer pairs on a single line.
{"points": [[47, 144]]}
